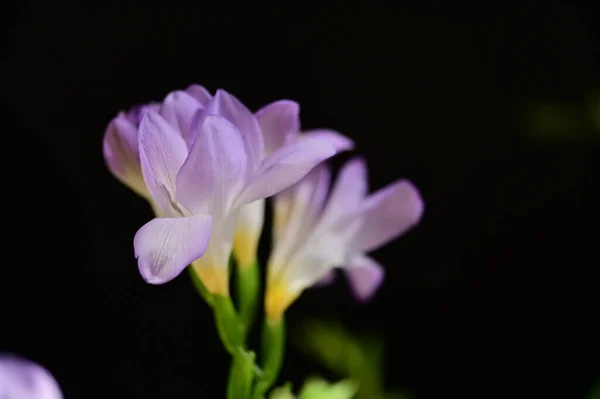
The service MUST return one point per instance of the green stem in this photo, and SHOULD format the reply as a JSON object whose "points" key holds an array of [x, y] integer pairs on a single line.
{"points": [[247, 288], [231, 330], [273, 348]]}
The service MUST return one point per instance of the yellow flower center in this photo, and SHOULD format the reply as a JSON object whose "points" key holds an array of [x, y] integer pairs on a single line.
{"points": [[244, 248], [278, 298], [215, 279]]}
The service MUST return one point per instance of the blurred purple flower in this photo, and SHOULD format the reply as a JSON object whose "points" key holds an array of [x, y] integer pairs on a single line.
{"points": [[23, 379]]}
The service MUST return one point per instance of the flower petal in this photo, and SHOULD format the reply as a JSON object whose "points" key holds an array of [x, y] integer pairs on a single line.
{"points": [[328, 279], [214, 169], [280, 123], [199, 93], [248, 229], [179, 109], [120, 148], [228, 106], [388, 213], [338, 140], [299, 208], [165, 246], [162, 152], [365, 276], [135, 113], [23, 379], [348, 192], [286, 167]]}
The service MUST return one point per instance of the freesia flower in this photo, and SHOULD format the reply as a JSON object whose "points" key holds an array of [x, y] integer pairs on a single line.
{"points": [[23, 379], [280, 126], [315, 233], [120, 146], [199, 182]]}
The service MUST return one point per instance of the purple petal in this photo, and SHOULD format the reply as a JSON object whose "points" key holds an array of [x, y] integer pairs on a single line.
{"points": [[348, 192], [388, 213], [120, 148], [23, 379], [214, 169], [162, 152], [280, 123], [135, 113], [326, 280], [228, 106], [200, 94], [180, 109], [338, 140], [165, 246], [286, 167], [365, 276]]}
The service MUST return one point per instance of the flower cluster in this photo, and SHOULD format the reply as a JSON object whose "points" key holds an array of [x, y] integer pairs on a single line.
{"points": [[206, 163]]}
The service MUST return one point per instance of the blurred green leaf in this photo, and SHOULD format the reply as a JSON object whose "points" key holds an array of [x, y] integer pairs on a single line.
{"points": [[284, 392], [361, 360], [317, 388], [557, 122], [595, 392]]}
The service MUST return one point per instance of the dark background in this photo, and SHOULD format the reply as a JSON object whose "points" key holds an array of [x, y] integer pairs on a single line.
{"points": [[494, 294]]}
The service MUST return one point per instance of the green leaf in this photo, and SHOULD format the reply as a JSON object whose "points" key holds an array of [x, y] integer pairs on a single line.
{"points": [[272, 349], [248, 291], [284, 392], [595, 392], [321, 389], [241, 375], [229, 326], [345, 355]]}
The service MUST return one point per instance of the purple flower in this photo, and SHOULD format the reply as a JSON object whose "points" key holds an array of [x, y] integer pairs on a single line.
{"points": [[200, 164], [280, 126], [315, 232], [23, 379], [120, 145]]}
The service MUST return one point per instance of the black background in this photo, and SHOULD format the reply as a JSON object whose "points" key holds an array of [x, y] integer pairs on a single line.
{"points": [[494, 294]]}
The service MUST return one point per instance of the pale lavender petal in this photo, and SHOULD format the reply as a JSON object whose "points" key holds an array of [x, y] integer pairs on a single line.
{"points": [[120, 148], [365, 276], [228, 106], [338, 140], [180, 109], [199, 93], [348, 192], [286, 167], [387, 214], [280, 124], [162, 152], [214, 169], [165, 246], [23, 379], [326, 280], [297, 210]]}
